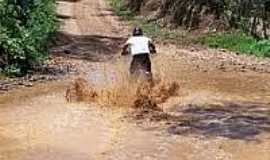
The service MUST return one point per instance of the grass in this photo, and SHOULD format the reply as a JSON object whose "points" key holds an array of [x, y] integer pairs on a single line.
{"points": [[238, 42]]}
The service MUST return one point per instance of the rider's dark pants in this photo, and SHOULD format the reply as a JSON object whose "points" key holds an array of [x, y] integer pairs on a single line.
{"points": [[140, 61]]}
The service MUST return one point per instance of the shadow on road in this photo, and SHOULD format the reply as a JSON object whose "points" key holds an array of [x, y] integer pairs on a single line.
{"points": [[242, 121], [232, 120], [95, 48]]}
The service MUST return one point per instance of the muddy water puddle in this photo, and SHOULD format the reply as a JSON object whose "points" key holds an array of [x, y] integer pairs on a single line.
{"points": [[46, 127], [209, 121]]}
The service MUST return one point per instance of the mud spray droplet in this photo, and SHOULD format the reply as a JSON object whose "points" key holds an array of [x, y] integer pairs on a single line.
{"points": [[141, 95]]}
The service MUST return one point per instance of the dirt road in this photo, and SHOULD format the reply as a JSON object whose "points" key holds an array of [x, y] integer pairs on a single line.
{"points": [[222, 110]]}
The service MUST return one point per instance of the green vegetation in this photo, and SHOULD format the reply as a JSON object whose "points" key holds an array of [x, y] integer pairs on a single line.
{"points": [[238, 42], [26, 27]]}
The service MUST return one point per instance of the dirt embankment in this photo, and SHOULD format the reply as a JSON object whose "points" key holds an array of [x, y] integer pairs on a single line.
{"points": [[207, 15], [187, 13]]}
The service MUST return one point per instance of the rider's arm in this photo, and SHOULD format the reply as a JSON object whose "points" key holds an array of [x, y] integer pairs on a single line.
{"points": [[152, 48], [125, 50]]}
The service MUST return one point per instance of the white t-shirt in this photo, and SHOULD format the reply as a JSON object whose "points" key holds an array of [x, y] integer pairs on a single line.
{"points": [[139, 45]]}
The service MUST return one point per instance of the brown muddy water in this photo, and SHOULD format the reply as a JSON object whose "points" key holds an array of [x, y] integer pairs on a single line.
{"points": [[223, 116]]}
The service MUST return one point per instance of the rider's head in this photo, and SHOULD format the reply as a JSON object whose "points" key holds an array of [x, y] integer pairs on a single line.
{"points": [[137, 31]]}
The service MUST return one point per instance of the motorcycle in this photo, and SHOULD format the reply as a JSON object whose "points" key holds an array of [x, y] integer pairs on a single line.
{"points": [[140, 67]]}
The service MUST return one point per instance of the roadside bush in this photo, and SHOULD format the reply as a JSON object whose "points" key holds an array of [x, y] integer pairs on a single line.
{"points": [[26, 27]]}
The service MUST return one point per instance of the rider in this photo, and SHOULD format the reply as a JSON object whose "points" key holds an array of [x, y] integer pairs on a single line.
{"points": [[139, 46]]}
